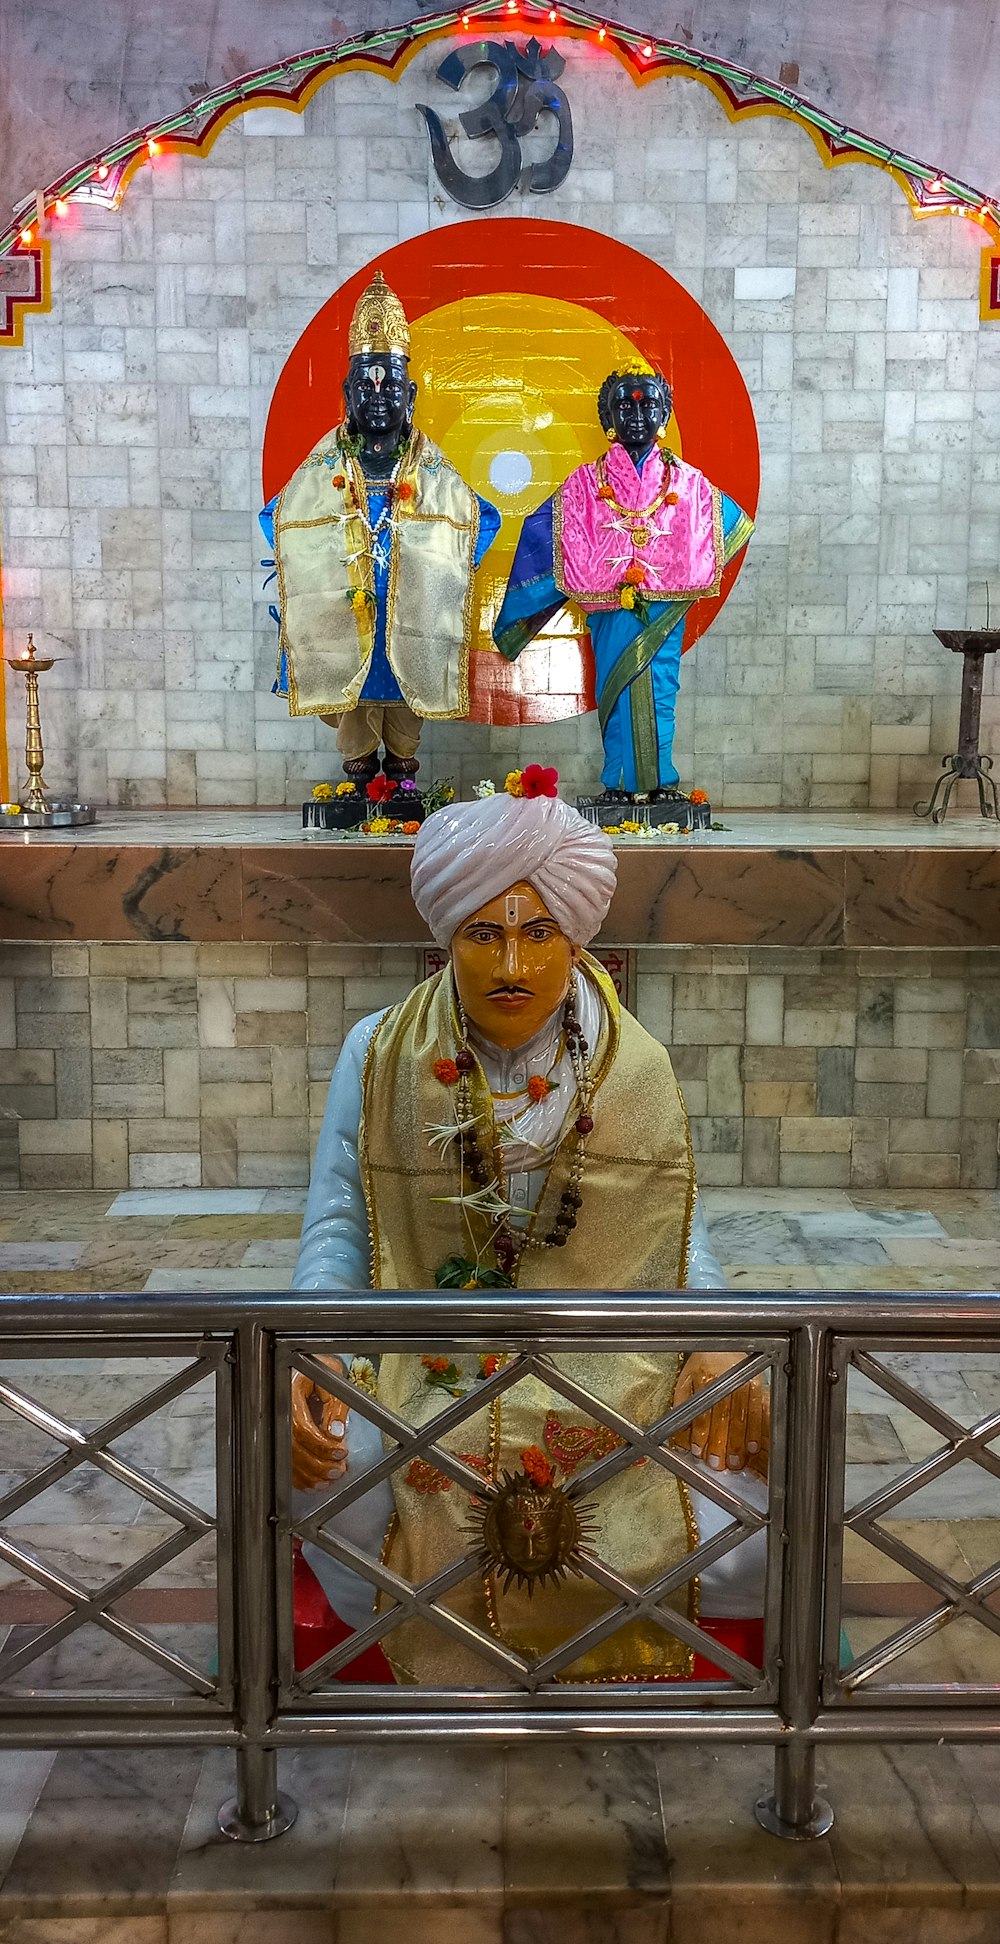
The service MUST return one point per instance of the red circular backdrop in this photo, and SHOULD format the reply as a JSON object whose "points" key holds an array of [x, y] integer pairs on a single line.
{"points": [[551, 260]]}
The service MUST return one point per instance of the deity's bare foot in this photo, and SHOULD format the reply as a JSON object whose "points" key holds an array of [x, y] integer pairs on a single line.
{"points": [[615, 796], [669, 793]]}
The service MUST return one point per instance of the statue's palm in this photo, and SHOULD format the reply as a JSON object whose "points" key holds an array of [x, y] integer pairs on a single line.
{"points": [[319, 1432]]}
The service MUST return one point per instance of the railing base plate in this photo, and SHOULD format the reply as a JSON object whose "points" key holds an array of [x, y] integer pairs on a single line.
{"points": [[231, 1823], [820, 1821]]}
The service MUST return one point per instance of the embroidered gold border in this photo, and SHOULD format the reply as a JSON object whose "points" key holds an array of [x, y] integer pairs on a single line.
{"points": [[645, 737], [364, 1166]]}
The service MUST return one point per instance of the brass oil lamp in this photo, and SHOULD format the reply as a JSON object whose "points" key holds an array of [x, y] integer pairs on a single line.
{"points": [[36, 810]]}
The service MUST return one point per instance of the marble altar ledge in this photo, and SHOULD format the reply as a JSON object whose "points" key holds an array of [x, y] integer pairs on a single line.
{"points": [[794, 881], [549, 1845]]}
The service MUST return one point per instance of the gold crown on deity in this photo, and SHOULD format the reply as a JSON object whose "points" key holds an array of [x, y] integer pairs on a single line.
{"points": [[379, 322]]}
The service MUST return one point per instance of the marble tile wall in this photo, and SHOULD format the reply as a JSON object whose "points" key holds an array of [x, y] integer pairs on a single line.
{"points": [[131, 425], [162, 1066]]}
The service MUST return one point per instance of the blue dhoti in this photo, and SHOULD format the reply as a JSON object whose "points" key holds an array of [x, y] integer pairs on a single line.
{"points": [[637, 655]]}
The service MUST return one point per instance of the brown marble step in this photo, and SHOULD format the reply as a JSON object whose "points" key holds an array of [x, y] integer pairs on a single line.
{"points": [[783, 894]]}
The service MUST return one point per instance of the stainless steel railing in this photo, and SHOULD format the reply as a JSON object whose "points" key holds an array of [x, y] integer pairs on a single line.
{"points": [[256, 1701]]}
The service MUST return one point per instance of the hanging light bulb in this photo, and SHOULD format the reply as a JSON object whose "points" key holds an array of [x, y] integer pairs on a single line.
{"points": [[935, 185], [103, 172], [61, 207], [647, 52], [602, 33], [153, 146], [26, 235]]}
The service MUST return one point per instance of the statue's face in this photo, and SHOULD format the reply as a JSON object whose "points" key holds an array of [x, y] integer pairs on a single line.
{"points": [[640, 409], [512, 966], [380, 395]]}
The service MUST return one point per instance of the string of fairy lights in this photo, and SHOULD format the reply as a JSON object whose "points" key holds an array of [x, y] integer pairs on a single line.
{"points": [[101, 181]]}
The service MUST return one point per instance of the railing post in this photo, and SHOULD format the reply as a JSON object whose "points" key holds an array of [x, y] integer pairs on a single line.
{"points": [[794, 1810], [257, 1811]]}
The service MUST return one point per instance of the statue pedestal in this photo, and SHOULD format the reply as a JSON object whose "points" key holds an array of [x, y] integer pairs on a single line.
{"points": [[349, 812], [677, 810]]}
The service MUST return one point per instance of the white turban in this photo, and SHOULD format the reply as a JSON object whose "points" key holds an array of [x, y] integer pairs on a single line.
{"points": [[468, 853]]}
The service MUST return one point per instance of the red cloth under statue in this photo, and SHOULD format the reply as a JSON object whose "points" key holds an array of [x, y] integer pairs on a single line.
{"points": [[318, 1630]]}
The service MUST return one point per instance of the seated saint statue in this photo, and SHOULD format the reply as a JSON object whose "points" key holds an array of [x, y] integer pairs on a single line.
{"points": [[510, 1124], [633, 540], [376, 541]]}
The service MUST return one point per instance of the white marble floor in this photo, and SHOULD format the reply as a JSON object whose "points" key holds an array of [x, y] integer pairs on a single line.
{"points": [[744, 829], [550, 1844]]}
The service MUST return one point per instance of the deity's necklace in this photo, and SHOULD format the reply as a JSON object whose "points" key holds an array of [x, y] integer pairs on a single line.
{"points": [[351, 446], [638, 520], [482, 1163]]}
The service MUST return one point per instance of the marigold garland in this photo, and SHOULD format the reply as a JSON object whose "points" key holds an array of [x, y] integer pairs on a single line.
{"points": [[536, 1465]]}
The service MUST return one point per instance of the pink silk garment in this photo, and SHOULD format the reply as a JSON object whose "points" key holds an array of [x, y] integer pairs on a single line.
{"points": [[683, 555]]}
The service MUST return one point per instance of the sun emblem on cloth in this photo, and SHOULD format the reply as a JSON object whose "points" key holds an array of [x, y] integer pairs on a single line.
{"points": [[527, 1528]]}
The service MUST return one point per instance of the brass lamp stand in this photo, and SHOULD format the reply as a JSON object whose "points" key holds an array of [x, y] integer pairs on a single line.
{"points": [[37, 811]]}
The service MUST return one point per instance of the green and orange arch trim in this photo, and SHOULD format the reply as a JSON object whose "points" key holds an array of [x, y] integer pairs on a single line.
{"points": [[103, 180]]}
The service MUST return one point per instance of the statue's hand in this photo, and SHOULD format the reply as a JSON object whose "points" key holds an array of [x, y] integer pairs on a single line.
{"points": [[319, 1431], [736, 1434]]}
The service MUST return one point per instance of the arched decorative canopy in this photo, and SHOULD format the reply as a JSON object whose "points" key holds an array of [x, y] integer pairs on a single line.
{"points": [[102, 180]]}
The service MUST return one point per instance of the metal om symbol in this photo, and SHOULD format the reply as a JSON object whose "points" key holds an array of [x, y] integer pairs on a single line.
{"points": [[525, 88]]}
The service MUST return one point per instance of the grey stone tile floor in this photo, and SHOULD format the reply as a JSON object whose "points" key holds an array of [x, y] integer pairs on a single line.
{"points": [[575, 1843]]}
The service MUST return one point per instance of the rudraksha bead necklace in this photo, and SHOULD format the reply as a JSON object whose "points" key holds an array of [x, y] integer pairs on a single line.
{"points": [[481, 1163]]}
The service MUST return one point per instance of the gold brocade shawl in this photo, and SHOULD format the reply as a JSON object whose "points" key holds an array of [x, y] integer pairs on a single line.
{"points": [[323, 553], [633, 1233]]}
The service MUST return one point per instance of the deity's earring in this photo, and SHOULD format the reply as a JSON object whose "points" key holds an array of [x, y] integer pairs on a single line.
{"points": [[610, 434], [661, 437]]}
